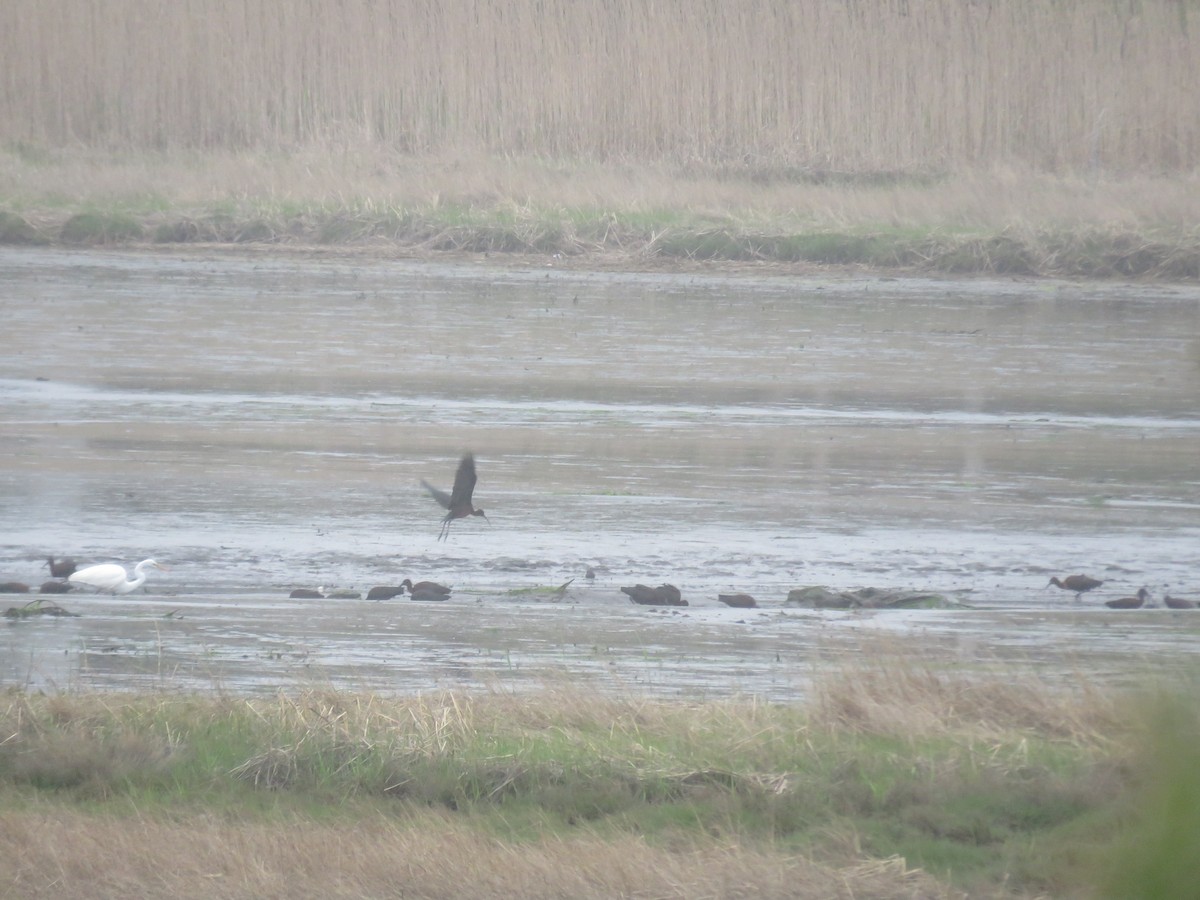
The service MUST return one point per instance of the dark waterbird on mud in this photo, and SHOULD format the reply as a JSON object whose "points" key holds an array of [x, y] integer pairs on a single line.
{"points": [[426, 590], [385, 591], [54, 587], [14, 587], [61, 569], [306, 594], [663, 595], [458, 502], [1079, 584], [739, 601], [1129, 602], [1178, 602]]}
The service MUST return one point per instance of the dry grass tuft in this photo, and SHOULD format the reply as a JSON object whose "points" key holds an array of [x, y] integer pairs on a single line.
{"points": [[904, 698], [68, 854]]}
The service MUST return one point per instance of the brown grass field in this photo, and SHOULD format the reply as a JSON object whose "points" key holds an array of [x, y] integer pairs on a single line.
{"points": [[1040, 138]]}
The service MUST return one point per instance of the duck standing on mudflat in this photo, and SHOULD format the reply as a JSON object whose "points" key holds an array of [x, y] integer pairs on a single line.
{"points": [[1129, 602]]}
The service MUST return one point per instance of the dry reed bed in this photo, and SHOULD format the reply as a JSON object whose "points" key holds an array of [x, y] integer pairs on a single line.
{"points": [[890, 86], [71, 854]]}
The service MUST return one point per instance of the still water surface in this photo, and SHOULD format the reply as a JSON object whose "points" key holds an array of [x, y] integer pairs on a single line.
{"points": [[261, 423]]}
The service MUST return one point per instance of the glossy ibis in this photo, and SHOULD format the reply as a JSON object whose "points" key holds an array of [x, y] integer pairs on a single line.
{"points": [[54, 587], [426, 590], [663, 595], [740, 601], [1079, 584], [1178, 602], [14, 587], [112, 578], [384, 592], [1129, 602], [62, 568], [458, 502]]}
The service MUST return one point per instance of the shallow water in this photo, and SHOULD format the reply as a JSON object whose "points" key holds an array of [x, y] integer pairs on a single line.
{"points": [[261, 423]]}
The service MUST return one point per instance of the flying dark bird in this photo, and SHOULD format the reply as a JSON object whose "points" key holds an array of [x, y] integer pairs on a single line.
{"points": [[426, 590], [1080, 584], [54, 587], [62, 568], [458, 502], [112, 578], [741, 601], [384, 592], [1129, 602], [1178, 602]]}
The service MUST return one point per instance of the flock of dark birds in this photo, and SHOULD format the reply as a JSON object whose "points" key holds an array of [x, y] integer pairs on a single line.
{"points": [[458, 504], [1081, 584]]}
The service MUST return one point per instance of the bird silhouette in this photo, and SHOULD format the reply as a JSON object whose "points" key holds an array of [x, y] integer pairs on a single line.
{"points": [[62, 568], [458, 502], [426, 590], [1129, 602], [1080, 584], [1178, 602], [663, 595], [385, 591]]}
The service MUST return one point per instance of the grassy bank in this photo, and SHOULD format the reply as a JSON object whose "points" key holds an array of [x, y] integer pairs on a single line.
{"points": [[1001, 221], [893, 780]]}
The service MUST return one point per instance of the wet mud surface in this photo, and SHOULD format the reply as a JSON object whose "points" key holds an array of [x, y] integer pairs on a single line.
{"points": [[261, 424]]}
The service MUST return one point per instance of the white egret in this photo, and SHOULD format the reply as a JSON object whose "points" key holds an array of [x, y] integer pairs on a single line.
{"points": [[112, 578]]}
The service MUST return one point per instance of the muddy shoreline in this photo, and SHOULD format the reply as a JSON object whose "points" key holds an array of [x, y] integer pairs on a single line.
{"points": [[261, 421]]}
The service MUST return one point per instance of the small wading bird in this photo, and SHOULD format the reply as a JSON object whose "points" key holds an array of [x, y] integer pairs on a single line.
{"points": [[62, 568], [458, 502], [1079, 584], [426, 590], [14, 587], [54, 587], [1178, 602], [112, 578], [1129, 602]]}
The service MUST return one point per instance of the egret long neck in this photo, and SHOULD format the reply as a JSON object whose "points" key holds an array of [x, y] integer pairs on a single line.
{"points": [[139, 576]]}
